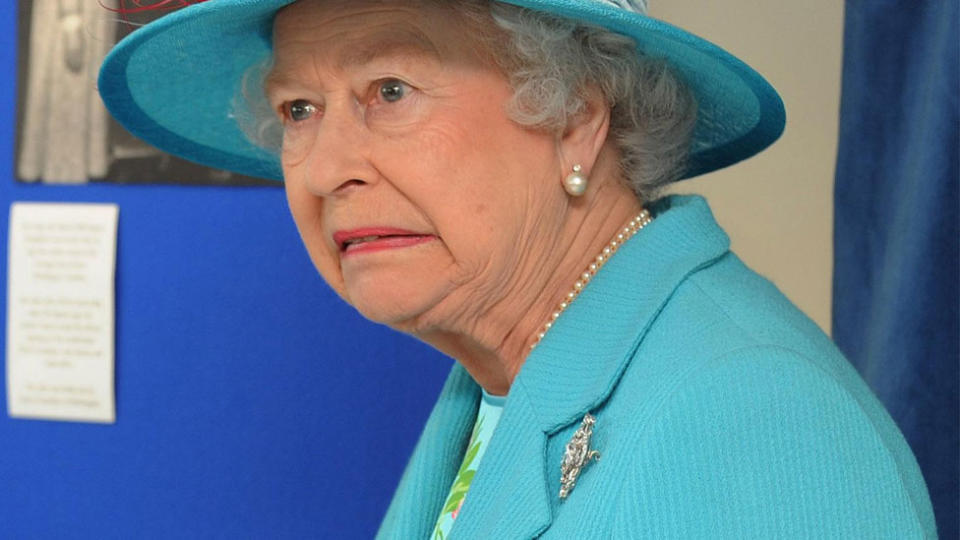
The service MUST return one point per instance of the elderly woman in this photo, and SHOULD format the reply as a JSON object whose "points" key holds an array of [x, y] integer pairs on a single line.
{"points": [[483, 175]]}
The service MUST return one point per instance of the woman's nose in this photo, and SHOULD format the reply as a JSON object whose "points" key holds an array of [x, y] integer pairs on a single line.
{"points": [[339, 158]]}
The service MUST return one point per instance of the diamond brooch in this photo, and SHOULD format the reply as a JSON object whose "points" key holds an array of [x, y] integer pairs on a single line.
{"points": [[577, 455]]}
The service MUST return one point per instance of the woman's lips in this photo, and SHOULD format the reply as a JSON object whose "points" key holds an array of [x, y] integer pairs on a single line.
{"points": [[372, 239]]}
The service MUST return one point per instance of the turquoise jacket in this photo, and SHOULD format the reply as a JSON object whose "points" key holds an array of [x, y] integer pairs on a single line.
{"points": [[721, 412]]}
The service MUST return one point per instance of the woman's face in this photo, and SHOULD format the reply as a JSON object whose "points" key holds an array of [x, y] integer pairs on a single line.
{"points": [[419, 200]]}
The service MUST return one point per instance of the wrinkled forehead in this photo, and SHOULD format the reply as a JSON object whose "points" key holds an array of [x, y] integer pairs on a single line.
{"points": [[341, 33], [350, 31]]}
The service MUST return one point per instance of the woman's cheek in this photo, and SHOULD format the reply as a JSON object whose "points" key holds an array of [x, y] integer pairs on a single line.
{"points": [[297, 144], [431, 143], [329, 268], [327, 262], [307, 212]]}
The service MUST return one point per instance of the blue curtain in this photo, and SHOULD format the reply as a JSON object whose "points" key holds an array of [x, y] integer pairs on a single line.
{"points": [[895, 294]]}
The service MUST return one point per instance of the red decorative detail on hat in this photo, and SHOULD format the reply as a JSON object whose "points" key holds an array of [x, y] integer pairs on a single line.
{"points": [[129, 7]]}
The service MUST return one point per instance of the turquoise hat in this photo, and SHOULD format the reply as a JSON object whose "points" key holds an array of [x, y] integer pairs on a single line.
{"points": [[175, 81]]}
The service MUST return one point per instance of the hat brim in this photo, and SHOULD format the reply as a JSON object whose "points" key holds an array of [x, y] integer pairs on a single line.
{"points": [[173, 82]]}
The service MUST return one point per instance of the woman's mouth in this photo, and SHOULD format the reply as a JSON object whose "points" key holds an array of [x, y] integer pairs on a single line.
{"points": [[368, 240]]}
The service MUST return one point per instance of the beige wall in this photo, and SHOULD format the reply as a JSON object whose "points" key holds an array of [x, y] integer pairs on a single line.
{"points": [[778, 206]]}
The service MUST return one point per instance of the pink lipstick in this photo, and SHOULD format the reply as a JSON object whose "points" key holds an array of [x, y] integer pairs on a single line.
{"points": [[370, 239]]}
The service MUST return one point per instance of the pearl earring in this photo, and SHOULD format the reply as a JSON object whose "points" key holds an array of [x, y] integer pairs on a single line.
{"points": [[576, 182]]}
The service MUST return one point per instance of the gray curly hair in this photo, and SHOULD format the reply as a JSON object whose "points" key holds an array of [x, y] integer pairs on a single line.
{"points": [[550, 62]]}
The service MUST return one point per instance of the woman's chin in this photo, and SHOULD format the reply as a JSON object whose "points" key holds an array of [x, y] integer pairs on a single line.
{"points": [[395, 294], [390, 307]]}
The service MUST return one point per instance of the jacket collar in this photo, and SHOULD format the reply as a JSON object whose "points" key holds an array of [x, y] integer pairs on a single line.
{"points": [[578, 364]]}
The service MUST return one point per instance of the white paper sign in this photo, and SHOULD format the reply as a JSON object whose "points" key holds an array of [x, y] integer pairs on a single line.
{"points": [[60, 311]]}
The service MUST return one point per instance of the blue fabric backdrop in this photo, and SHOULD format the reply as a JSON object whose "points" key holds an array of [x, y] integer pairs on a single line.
{"points": [[896, 237], [251, 402]]}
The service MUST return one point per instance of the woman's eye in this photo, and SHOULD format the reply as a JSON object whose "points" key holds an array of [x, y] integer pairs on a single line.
{"points": [[300, 110], [393, 90]]}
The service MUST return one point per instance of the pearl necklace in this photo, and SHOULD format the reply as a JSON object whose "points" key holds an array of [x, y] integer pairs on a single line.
{"points": [[642, 220]]}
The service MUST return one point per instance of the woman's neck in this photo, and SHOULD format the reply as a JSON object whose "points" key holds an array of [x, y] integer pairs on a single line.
{"points": [[495, 346]]}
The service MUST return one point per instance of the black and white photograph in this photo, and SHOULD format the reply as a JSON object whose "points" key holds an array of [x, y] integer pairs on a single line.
{"points": [[64, 133]]}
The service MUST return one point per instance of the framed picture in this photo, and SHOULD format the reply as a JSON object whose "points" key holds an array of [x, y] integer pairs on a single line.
{"points": [[64, 133]]}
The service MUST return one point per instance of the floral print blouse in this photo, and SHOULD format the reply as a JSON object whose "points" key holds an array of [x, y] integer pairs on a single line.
{"points": [[487, 417]]}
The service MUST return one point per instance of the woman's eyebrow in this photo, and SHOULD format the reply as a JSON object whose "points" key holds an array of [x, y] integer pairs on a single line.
{"points": [[276, 80], [390, 46]]}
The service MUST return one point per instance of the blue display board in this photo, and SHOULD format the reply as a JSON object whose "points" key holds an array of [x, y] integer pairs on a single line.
{"points": [[251, 401]]}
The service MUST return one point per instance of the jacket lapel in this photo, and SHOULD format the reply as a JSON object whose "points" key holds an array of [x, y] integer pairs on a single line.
{"points": [[508, 498], [436, 458]]}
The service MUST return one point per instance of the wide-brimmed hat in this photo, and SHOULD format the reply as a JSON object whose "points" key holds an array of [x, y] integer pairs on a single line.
{"points": [[175, 82]]}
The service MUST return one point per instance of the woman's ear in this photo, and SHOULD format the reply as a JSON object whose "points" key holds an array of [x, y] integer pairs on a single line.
{"points": [[586, 132]]}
